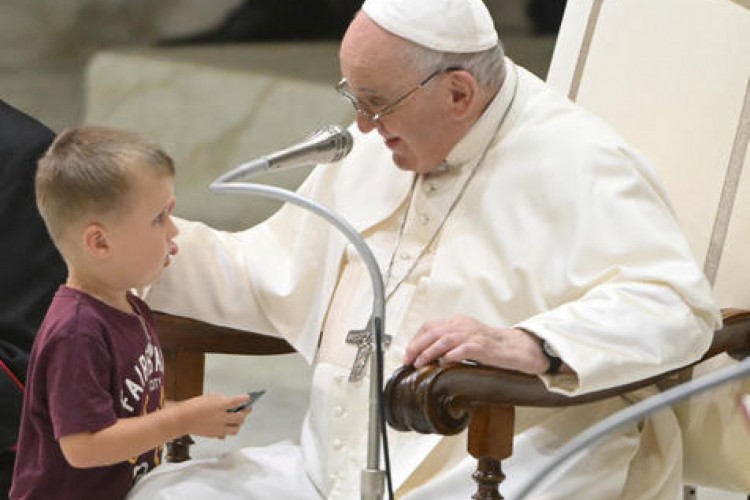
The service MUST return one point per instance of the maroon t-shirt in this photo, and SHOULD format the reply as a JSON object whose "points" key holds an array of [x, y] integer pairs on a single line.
{"points": [[91, 365]]}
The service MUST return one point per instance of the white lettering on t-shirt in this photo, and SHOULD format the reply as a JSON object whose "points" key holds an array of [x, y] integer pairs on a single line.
{"points": [[147, 366], [158, 360], [124, 402], [135, 389], [140, 374], [152, 361]]}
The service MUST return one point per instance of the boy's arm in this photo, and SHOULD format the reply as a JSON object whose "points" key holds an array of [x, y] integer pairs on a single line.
{"points": [[205, 415]]}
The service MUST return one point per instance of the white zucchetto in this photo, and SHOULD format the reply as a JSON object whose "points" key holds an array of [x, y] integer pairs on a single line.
{"points": [[443, 25]]}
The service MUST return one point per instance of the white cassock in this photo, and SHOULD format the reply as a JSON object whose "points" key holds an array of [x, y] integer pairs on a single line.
{"points": [[564, 230]]}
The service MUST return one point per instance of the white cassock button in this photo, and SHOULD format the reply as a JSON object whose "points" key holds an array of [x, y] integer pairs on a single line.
{"points": [[424, 219], [338, 444], [339, 411], [405, 255], [430, 186], [440, 169]]}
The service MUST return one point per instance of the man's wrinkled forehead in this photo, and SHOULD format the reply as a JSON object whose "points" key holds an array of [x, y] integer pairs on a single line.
{"points": [[371, 53]]}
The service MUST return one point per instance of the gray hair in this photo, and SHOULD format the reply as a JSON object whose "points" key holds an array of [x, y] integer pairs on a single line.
{"points": [[487, 67]]}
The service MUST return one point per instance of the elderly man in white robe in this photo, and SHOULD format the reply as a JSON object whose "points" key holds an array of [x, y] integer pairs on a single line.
{"points": [[512, 228]]}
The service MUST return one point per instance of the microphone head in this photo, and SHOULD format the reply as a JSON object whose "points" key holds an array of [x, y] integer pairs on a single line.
{"points": [[333, 142], [344, 141], [326, 145]]}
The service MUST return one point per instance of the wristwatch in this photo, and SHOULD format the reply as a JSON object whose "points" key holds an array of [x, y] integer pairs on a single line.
{"points": [[552, 356]]}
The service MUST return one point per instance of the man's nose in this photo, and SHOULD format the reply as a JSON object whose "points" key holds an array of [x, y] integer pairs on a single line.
{"points": [[364, 124]]}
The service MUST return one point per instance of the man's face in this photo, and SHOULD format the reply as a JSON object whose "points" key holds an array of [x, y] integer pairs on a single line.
{"points": [[418, 129]]}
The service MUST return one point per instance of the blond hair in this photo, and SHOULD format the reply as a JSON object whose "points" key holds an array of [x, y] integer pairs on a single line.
{"points": [[90, 170]]}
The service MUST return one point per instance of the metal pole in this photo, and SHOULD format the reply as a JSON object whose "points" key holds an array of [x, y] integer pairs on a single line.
{"points": [[372, 478]]}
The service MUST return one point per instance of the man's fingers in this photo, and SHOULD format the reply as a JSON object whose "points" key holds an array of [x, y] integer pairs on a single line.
{"points": [[441, 345], [417, 345]]}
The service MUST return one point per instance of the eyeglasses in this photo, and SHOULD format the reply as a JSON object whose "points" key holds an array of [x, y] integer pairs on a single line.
{"points": [[343, 88]]}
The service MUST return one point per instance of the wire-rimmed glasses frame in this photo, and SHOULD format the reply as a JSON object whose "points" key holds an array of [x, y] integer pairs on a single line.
{"points": [[343, 88]]}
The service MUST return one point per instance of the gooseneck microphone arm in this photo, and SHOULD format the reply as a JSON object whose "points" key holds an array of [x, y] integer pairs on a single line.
{"points": [[372, 477]]}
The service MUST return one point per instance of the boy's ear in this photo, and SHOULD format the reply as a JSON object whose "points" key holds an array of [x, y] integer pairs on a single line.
{"points": [[95, 240]]}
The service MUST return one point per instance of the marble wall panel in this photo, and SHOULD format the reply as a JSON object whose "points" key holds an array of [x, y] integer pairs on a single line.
{"points": [[211, 117]]}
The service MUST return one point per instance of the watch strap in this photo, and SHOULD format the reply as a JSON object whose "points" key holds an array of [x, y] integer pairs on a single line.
{"points": [[555, 362]]}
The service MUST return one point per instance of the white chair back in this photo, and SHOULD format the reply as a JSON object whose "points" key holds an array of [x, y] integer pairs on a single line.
{"points": [[673, 77]]}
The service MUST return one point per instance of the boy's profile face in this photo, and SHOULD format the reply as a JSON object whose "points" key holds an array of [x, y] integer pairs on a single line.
{"points": [[142, 238]]}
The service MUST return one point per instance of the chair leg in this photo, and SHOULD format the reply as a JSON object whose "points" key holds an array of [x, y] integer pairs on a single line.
{"points": [[490, 441], [178, 450], [488, 477], [190, 366]]}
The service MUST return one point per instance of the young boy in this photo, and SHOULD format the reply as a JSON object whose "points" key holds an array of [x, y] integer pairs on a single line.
{"points": [[93, 419]]}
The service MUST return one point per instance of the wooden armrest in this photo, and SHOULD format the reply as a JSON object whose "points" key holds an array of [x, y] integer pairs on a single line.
{"points": [[439, 398], [446, 399], [177, 333], [185, 342]]}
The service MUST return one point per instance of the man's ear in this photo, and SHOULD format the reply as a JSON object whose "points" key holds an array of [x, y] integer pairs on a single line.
{"points": [[95, 240], [464, 91]]}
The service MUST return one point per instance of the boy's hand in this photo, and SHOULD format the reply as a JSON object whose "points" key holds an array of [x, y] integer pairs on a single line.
{"points": [[254, 396], [207, 415]]}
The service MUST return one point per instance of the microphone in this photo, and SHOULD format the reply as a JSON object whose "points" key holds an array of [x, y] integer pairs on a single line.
{"points": [[330, 143], [324, 146]]}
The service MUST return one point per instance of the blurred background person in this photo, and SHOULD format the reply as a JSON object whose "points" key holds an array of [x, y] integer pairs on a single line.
{"points": [[31, 269]]}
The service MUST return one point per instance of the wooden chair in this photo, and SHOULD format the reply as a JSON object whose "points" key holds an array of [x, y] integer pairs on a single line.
{"points": [[446, 399], [442, 399]]}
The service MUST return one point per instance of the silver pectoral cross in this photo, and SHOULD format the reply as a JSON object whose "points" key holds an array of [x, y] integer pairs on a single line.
{"points": [[363, 340]]}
